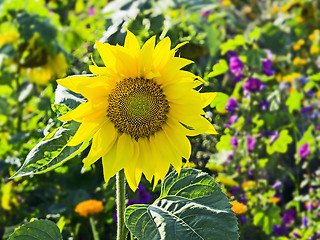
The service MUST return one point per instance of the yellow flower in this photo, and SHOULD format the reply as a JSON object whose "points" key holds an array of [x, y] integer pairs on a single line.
{"points": [[226, 3], [296, 47], [290, 77], [238, 208], [216, 168], [318, 94], [89, 207], [314, 50], [226, 181], [301, 42], [135, 109], [248, 184], [246, 9], [299, 61], [275, 9], [56, 66]]}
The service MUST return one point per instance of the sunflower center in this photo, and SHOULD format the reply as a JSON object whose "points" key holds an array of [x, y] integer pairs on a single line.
{"points": [[138, 107]]}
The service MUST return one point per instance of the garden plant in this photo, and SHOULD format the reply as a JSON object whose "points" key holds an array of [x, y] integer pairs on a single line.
{"points": [[149, 119]]}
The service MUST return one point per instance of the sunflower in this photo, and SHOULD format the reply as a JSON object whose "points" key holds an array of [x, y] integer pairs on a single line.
{"points": [[139, 109]]}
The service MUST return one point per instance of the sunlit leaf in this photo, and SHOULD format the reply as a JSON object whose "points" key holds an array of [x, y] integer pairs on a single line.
{"points": [[39, 229], [219, 68], [191, 206]]}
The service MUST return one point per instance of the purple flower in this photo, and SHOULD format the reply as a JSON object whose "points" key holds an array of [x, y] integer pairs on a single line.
{"points": [[92, 12], [206, 13], [231, 105], [302, 81], [234, 142], [231, 53], [305, 110], [234, 190], [274, 137], [250, 172], [266, 67], [296, 235], [233, 119], [279, 230], [239, 77], [253, 85], [310, 93], [264, 104], [143, 195], [236, 65], [289, 216], [304, 150], [243, 219], [305, 221], [318, 127], [277, 185], [251, 141]]}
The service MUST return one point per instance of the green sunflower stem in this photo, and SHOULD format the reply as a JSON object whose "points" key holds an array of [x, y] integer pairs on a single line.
{"points": [[94, 230], [121, 206]]}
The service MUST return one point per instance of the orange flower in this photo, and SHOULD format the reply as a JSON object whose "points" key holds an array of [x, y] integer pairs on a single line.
{"points": [[274, 199], [238, 208], [89, 207], [248, 184]]}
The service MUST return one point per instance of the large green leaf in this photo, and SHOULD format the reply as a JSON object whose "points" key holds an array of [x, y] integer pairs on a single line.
{"points": [[191, 206], [52, 151], [39, 229]]}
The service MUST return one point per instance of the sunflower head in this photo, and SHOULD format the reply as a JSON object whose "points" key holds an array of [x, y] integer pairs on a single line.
{"points": [[139, 109]]}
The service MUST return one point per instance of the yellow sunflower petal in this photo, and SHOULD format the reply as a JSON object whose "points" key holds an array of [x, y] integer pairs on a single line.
{"points": [[132, 173], [146, 56], [85, 131], [147, 166], [98, 70], [207, 98], [162, 54], [125, 149], [110, 168], [132, 43], [107, 54], [102, 142], [86, 111]]}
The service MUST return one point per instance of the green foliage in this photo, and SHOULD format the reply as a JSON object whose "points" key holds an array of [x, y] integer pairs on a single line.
{"points": [[220, 101], [39, 229], [191, 205], [266, 218], [294, 101], [219, 68], [280, 144]]}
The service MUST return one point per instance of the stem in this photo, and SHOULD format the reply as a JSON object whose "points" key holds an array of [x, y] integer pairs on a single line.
{"points": [[19, 107], [121, 206], [94, 230]]}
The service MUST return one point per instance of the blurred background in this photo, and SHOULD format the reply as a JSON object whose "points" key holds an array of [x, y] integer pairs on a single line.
{"points": [[263, 57]]}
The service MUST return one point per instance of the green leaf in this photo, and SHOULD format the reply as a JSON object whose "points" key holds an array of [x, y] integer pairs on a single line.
{"points": [[39, 229], [254, 58], [266, 218], [219, 68], [294, 101], [255, 34], [191, 206], [220, 101], [232, 44], [315, 77], [280, 144], [224, 143], [52, 151]]}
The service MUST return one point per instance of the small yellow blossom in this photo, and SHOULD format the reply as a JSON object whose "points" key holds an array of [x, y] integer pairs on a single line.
{"points": [[318, 94], [216, 168], [89, 207], [226, 181], [301, 42], [299, 61], [314, 50], [290, 77], [226, 3], [246, 9], [274, 199], [296, 47], [275, 9], [248, 184], [238, 208]]}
